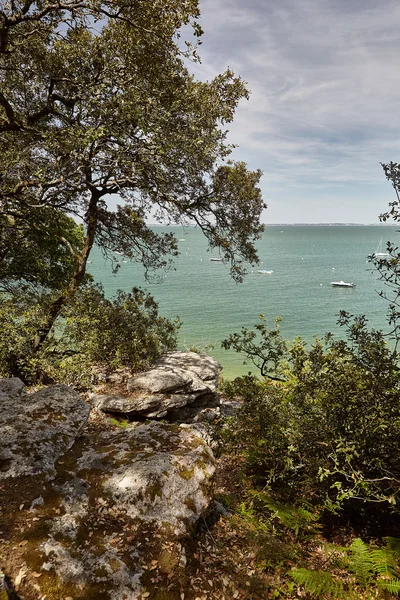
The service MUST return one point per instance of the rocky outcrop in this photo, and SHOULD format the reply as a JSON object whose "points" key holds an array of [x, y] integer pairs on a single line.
{"points": [[180, 380], [35, 429], [152, 473], [89, 513]]}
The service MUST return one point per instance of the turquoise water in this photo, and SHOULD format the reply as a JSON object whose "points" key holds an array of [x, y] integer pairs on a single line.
{"points": [[304, 260]]}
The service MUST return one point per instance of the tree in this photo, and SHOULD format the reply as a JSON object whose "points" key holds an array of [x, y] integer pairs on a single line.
{"points": [[96, 100], [389, 267], [264, 347], [92, 331], [38, 248]]}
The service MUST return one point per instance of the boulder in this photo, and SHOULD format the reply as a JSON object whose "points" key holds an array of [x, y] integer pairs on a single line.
{"points": [[112, 519], [162, 380], [36, 429], [178, 380], [155, 472], [139, 405], [12, 389], [204, 366], [121, 502]]}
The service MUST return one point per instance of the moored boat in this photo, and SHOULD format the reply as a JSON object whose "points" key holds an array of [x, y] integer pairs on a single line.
{"points": [[342, 284]]}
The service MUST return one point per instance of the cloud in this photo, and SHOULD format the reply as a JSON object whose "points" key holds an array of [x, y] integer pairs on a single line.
{"points": [[325, 92]]}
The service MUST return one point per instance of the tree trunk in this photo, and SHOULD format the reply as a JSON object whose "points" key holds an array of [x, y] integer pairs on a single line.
{"points": [[78, 277]]}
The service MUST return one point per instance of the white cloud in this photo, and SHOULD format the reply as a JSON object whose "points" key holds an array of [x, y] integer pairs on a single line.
{"points": [[324, 107]]}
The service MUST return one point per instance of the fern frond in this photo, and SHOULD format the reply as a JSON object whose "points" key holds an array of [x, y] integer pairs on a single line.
{"points": [[360, 562], [319, 583], [394, 544], [292, 517], [383, 562], [392, 586]]}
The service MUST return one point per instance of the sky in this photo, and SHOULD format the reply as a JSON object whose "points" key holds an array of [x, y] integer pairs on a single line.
{"points": [[324, 109]]}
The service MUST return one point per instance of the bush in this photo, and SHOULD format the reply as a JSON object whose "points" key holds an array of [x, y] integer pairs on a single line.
{"points": [[92, 329], [329, 434], [126, 330], [21, 318]]}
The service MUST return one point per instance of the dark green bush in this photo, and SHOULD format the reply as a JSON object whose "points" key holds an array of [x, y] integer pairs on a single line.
{"points": [[126, 330], [330, 433], [91, 330], [21, 317]]}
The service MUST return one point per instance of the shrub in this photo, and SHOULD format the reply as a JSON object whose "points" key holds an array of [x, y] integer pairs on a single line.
{"points": [[126, 330], [330, 433], [369, 573], [21, 317], [92, 329]]}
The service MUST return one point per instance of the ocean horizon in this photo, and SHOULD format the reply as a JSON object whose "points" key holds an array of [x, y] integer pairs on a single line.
{"points": [[299, 261]]}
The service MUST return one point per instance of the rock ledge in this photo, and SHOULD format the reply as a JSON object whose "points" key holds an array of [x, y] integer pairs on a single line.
{"points": [[179, 387]]}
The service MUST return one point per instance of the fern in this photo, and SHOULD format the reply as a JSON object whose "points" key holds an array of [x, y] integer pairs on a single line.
{"points": [[383, 562], [248, 514], [292, 517], [394, 544], [373, 569], [392, 586], [319, 583], [361, 562], [367, 564]]}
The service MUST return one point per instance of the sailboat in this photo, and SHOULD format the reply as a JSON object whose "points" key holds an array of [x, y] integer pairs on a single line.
{"points": [[379, 253]]}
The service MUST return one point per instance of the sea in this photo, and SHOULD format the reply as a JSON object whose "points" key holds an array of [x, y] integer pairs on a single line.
{"points": [[304, 260]]}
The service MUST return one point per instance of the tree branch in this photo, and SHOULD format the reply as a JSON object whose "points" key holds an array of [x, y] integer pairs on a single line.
{"points": [[11, 125]]}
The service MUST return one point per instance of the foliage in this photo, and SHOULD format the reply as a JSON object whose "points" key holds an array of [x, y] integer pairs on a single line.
{"points": [[126, 330], [327, 434], [40, 248], [21, 317], [122, 423], [296, 518], [261, 509], [388, 267], [319, 584], [374, 570], [264, 347], [92, 329], [95, 101]]}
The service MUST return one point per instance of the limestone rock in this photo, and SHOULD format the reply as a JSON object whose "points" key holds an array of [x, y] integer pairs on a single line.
{"points": [[155, 472], [36, 429], [122, 501], [206, 367], [11, 389], [162, 379], [179, 380], [139, 405]]}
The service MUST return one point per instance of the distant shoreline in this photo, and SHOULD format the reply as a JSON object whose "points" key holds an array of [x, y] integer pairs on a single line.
{"points": [[330, 224], [295, 225]]}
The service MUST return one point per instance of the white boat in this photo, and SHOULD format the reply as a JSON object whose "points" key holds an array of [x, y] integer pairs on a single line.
{"points": [[216, 259], [342, 284], [264, 272], [379, 253]]}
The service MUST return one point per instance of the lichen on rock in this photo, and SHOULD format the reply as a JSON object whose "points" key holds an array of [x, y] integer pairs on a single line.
{"points": [[95, 513], [36, 429], [179, 380]]}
